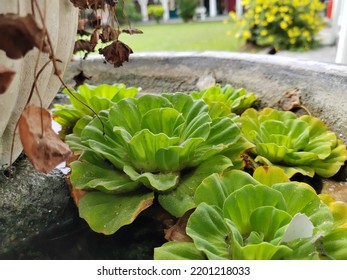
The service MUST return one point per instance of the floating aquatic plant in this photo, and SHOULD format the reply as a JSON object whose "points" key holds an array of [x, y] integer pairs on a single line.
{"points": [[338, 208], [165, 144], [96, 98], [237, 217], [226, 100], [296, 144], [184, 152]]}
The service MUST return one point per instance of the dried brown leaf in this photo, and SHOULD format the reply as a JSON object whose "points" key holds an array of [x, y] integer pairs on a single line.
{"points": [[178, 231], [80, 78], [132, 31], [116, 53], [21, 34], [76, 194], [81, 27], [82, 45], [82, 24], [95, 20], [81, 4], [94, 39], [6, 77], [83, 33], [109, 34], [291, 99], [93, 4], [112, 3], [41, 144]]}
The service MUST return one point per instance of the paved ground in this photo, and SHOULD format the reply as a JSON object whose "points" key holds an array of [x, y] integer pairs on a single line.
{"points": [[323, 54], [326, 53]]}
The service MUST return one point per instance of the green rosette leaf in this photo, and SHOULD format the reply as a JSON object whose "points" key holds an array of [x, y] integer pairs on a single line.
{"points": [[185, 104], [270, 175], [106, 213], [100, 138], [178, 251], [178, 157], [181, 199], [335, 244], [332, 164], [267, 220], [143, 147], [217, 187], [226, 100], [337, 208], [207, 228], [149, 102], [300, 199], [97, 98], [81, 124], [160, 182], [168, 144], [257, 218], [236, 151], [239, 205], [298, 145], [162, 120], [125, 114], [105, 178], [219, 238], [265, 251]]}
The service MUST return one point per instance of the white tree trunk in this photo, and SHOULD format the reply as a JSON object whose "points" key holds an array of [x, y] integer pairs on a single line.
{"points": [[341, 55], [239, 11], [165, 4], [143, 5], [61, 22], [213, 8]]}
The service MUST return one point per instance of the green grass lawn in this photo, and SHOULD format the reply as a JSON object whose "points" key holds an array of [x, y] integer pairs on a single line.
{"points": [[194, 36]]}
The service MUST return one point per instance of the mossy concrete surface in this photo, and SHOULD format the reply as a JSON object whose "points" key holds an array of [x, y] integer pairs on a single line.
{"points": [[323, 85], [30, 203]]}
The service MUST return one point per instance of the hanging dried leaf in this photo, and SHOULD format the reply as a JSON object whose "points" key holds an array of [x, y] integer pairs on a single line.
{"points": [[116, 53], [109, 34], [95, 20], [81, 4], [82, 45], [41, 144], [94, 39], [291, 99], [80, 78], [81, 27], [132, 31], [83, 33], [112, 3], [93, 4], [82, 24], [20, 34], [178, 231], [6, 77]]}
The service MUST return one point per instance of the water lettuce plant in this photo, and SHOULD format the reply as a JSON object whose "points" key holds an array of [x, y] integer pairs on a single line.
{"points": [[153, 144], [226, 100], [186, 152], [238, 217], [98, 98], [296, 144]]}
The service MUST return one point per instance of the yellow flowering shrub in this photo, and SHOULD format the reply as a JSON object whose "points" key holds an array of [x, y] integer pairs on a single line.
{"points": [[284, 24]]}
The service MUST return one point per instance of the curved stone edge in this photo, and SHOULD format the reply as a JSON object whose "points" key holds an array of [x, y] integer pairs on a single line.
{"points": [[323, 85]]}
